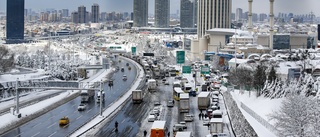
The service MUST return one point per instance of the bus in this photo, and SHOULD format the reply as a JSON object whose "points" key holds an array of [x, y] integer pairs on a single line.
{"points": [[176, 93]]}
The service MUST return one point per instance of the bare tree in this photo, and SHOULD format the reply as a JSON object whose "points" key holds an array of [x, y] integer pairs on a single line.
{"points": [[6, 60]]}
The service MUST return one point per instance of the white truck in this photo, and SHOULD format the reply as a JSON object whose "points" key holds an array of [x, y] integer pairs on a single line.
{"points": [[152, 84], [137, 96], [203, 100], [216, 125], [98, 97], [86, 95], [184, 103]]}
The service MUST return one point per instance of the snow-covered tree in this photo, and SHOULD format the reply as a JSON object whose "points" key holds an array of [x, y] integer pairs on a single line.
{"points": [[259, 78], [296, 117], [6, 59]]}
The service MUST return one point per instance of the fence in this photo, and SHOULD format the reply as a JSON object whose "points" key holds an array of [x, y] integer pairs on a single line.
{"points": [[259, 119]]}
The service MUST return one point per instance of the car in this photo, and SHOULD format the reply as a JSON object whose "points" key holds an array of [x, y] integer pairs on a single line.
{"points": [[64, 121], [151, 118], [178, 77], [206, 122], [179, 127], [127, 64], [170, 103], [122, 69], [156, 103], [82, 107], [124, 77], [164, 80], [188, 118]]}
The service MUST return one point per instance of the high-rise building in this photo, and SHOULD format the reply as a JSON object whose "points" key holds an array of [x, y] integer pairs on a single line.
{"points": [[162, 13], [44, 16], [65, 12], [15, 21], [195, 12], [75, 17], [213, 14], [187, 14], [103, 16], [239, 13], [140, 13], [82, 14], [95, 13], [262, 16]]}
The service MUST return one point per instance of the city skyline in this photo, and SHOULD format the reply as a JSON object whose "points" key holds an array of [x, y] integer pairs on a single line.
{"points": [[296, 6]]}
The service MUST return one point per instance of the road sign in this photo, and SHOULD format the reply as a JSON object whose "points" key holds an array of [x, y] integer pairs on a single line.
{"points": [[133, 50], [205, 70], [186, 69], [180, 58]]}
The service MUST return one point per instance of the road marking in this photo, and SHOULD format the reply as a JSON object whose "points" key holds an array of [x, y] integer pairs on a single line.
{"points": [[18, 134], [79, 117], [122, 120], [75, 111], [52, 134], [36, 125], [89, 110], [63, 110], [51, 125], [35, 134]]}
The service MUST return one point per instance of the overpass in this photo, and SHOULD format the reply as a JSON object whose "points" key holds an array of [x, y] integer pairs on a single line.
{"points": [[87, 67]]}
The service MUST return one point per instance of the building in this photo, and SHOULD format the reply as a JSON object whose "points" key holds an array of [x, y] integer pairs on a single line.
{"points": [[162, 13], [239, 13], [82, 14], [213, 14], [74, 17], [95, 13], [65, 13], [15, 21], [44, 16], [262, 17], [140, 13], [187, 8]]}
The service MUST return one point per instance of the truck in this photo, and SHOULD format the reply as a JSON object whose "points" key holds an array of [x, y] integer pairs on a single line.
{"points": [[156, 72], [158, 129], [216, 125], [86, 95], [137, 96], [184, 103], [98, 97], [184, 134], [203, 100], [152, 84]]}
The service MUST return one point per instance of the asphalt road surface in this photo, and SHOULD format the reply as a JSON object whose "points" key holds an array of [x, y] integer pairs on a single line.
{"points": [[47, 125]]}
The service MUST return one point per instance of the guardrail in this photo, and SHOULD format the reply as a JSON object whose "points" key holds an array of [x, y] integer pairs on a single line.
{"points": [[116, 110], [259, 119]]}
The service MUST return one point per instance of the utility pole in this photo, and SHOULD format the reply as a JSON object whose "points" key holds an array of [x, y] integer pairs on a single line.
{"points": [[17, 99], [101, 98]]}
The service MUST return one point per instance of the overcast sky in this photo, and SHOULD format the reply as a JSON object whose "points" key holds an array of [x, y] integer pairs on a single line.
{"points": [[259, 6]]}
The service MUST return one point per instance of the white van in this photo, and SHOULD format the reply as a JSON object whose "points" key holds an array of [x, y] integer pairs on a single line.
{"points": [[151, 118]]}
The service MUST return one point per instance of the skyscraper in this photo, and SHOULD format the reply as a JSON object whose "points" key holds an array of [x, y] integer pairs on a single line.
{"points": [[15, 21], [65, 12], [75, 17], [140, 13], [239, 13], [162, 13], [82, 14], [95, 13], [187, 13], [213, 14]]}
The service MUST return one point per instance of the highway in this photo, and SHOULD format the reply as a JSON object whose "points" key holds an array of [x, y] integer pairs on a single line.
{"points": [[48, 124], [132, 117]]}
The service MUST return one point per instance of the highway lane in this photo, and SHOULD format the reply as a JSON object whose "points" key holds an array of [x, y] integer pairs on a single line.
{"points": [[47, 124], [132, 118]]}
